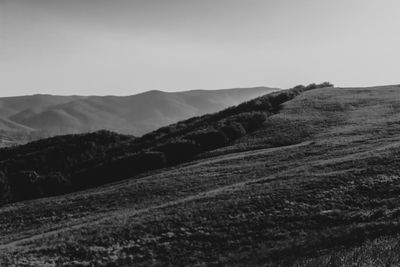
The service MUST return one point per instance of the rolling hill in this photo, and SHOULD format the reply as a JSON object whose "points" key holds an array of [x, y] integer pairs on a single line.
{"points": [[315, 184], [48, 115], [72, 162]]}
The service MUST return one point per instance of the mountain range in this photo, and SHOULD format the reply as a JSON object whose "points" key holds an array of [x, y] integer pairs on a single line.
{"points": [[48, 115]]}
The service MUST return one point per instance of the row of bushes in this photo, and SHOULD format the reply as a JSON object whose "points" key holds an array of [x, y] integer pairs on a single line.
{"points": [[45, 167], [29, 184], [67, 163], [119, 168], [267, 104]]}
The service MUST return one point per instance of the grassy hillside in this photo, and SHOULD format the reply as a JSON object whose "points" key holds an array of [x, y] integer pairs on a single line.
{"points": [[331, 195], [68, 163], [134, 115]]}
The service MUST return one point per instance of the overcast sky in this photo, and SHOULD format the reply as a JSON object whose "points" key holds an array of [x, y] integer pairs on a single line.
{"points": [[123, 47]]}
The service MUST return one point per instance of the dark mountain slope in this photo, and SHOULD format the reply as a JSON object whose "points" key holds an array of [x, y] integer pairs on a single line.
{"points": [[333, 190], [134, 115]]}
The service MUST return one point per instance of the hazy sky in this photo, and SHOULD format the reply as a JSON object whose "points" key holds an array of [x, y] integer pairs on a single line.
{"points": [[124, 47]]}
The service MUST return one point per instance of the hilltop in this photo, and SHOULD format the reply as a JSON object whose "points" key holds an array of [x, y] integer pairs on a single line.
{"points": [[315, 183]]}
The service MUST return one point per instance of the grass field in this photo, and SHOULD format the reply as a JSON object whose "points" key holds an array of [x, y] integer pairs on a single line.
{"points": [[318, 185]]}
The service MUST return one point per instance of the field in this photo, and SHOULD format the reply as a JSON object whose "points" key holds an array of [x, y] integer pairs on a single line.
{"points": [[318, 184]]}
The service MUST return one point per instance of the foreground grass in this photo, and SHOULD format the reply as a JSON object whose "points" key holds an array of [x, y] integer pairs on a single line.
{"points": [[384, 251], [296, 204]]}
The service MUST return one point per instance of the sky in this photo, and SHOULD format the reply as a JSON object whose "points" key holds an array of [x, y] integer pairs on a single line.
{"points": [[123, 47]]}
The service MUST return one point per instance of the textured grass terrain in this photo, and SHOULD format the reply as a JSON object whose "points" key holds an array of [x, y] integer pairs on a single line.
{"points": [[317, 185]]}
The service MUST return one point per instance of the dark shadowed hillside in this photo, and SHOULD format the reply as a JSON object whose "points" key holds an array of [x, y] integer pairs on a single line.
{"points": [[316, 184], [48, 115]]}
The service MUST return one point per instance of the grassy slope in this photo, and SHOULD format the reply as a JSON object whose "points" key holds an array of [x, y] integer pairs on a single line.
{"points": [[384, 251], [339, 185], [68, 163]]}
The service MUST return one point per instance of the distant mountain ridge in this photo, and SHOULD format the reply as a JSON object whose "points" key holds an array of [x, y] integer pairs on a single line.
{"points": [[135, 114]]}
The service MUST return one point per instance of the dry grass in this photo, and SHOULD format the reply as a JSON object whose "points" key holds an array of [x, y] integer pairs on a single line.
{"points": [[314, 204]]}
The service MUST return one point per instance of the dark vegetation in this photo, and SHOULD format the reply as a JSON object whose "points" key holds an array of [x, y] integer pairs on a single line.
{"points": [[68, 163]]}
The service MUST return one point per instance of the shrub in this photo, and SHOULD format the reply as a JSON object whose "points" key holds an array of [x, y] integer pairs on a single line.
{"points": [[233, 130], [55, 183], [4, 188], [179, 150], [250, 120], [325, 84], [26, 185], [208, 139], [255, 121], [147, 161], [119, 168]]}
